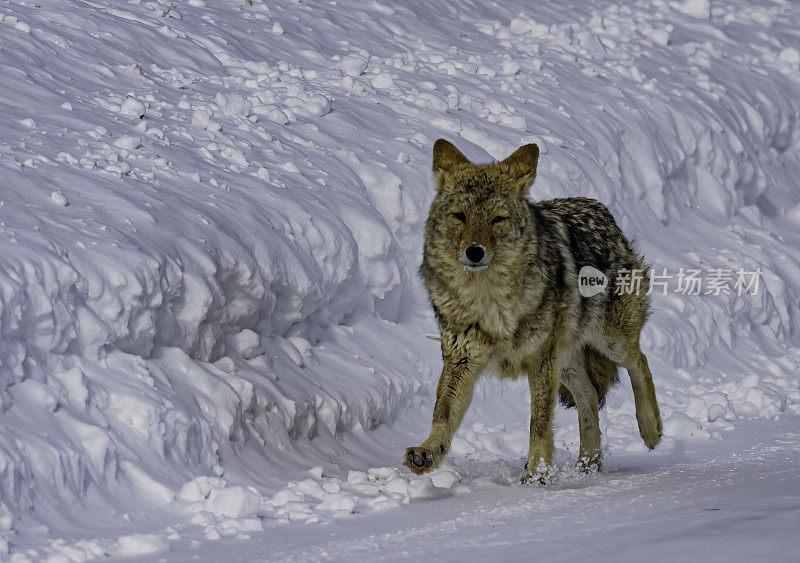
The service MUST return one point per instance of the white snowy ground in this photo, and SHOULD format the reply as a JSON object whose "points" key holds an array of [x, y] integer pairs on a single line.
{"points": [[212, 337]]}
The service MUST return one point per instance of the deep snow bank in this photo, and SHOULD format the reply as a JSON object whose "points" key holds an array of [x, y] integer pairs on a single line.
{"points": [[161, 230], [211, 218]]}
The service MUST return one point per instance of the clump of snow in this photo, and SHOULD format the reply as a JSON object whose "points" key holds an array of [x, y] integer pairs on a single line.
{"points": [[127, 142], [695, 8], [221, 509], [138, 544], [790, 55], [59, 199], [361, 492], [353, 65]]}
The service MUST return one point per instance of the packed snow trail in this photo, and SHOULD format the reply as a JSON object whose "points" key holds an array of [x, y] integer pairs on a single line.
{"points": [[211, 219], [733, 499]]}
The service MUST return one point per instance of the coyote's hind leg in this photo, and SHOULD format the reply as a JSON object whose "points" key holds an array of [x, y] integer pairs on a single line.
{"points": [[644, 395], [622, 330]]}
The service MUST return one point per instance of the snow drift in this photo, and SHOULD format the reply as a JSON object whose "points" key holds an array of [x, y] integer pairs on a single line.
{"points": [[211, 221]]}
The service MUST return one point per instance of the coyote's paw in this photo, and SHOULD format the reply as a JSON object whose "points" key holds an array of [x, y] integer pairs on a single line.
{"points": [[539, 473], [650, 430], [589, 464], [423, 458]]}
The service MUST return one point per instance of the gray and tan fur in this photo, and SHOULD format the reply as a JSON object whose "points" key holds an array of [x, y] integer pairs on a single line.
{"points": [[502, 275]]}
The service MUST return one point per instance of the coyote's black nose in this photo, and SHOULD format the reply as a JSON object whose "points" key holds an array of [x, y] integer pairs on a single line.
{"points": [[475, 253]]}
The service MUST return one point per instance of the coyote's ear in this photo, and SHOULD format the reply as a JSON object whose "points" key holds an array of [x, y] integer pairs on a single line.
{"points": [[446, 157], [522, 163]]}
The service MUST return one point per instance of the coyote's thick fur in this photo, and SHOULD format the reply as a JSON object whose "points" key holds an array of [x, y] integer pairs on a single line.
{"points": [[502, 275]]}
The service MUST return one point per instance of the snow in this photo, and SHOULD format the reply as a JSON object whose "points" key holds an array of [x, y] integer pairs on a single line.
{"points": [[138, 544], [725, 500], [696, 8], [211, 328]]}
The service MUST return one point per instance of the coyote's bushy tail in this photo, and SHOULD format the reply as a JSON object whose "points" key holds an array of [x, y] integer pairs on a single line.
{"points": [[602, 373]]}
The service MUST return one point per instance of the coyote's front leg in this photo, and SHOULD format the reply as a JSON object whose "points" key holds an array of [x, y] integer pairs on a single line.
{"points": [[543, 382], [463, 362]]}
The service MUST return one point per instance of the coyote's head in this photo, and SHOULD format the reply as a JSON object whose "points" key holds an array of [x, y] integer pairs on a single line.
{"points": [[480, 212]]}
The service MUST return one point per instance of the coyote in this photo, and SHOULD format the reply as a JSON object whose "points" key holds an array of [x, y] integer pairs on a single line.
{"points": [[502, 276]]}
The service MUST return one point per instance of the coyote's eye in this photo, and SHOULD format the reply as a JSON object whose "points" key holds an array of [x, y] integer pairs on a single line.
{"points": [[498, 219], [460, 216]]}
